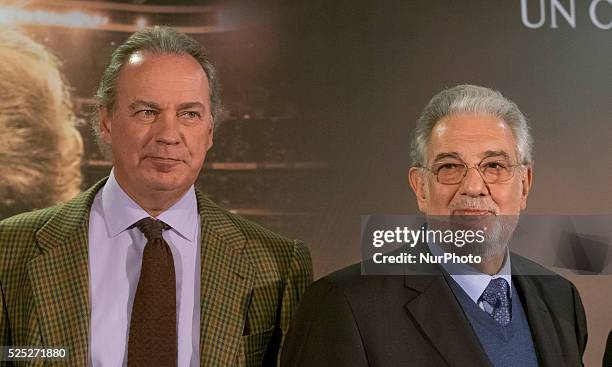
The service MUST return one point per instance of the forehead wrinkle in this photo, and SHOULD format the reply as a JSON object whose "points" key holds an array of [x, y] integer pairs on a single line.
{"points": [[145, 70], [471, 131]]}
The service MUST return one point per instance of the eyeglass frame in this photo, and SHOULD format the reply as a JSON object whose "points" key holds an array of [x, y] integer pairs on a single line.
{"points": [[477, 167]]}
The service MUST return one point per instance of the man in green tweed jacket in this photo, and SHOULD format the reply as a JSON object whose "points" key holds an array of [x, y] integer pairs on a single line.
{"points": [[71, 276]]}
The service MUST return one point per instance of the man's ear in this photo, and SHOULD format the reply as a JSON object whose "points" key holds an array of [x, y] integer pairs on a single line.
{"points": [[526, 185], [105, 124], [417, 182]]}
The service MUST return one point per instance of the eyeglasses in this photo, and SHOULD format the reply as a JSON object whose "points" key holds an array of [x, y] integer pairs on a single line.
{"points": [[492, 171]]}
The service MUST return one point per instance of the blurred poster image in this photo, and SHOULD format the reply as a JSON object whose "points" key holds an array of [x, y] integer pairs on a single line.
{"points": [[40, 148]]}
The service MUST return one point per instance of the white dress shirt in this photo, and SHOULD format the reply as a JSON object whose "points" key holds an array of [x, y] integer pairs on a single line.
{"points": [[115, 258]]}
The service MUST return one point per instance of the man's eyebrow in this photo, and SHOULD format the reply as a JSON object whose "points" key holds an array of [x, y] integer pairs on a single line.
{"points": [[188, 105], [139, 103], [496, 153], [447, 155]]}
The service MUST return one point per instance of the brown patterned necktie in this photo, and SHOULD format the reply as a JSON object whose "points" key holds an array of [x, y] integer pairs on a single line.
{"points": [[153, 340]]}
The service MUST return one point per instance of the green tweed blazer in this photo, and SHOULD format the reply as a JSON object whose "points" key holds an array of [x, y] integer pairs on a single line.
{"points": [[251, 282]]}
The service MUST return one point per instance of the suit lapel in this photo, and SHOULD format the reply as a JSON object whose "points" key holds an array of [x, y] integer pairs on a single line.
{"points": [[540, 320], [440, 316], [59, 278], [442, 320], [226, 284]]}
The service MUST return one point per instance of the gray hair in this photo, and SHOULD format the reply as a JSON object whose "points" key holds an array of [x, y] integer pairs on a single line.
{"points": [[470, 99], [40, 148], [159, 40]]}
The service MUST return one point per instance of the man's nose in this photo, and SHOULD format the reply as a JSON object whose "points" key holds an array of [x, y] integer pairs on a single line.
{"points": [[473, 183], [167, 129]]}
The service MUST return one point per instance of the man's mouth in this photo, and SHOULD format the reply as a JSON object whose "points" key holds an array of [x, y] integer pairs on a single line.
{"points": [[472, 212], [164, 164], [164, 159]]}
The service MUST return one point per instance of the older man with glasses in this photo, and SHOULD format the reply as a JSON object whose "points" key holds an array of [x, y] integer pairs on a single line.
{"points": [[472, 166]]}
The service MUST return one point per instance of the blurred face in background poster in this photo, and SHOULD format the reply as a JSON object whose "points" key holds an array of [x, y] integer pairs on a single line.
{"points": [[161, 126], [40, 148]]}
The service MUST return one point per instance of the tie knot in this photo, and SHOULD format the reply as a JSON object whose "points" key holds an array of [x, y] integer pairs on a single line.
{"points": [[496, 293], [152, 228]]}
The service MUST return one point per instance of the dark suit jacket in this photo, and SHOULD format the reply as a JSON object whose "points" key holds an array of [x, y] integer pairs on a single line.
{"points": [[347, 319], [251, 282]]}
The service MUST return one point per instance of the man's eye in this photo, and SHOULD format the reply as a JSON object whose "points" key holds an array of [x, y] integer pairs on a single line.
{"points": [[449, 166], [495, 165], [191, 115], [146, 114]]}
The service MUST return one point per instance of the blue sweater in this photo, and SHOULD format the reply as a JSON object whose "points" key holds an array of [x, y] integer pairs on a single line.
{"points": [[505, 346]]}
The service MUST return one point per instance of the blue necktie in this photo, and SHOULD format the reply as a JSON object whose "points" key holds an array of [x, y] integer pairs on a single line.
{"points": [[497, 296]]}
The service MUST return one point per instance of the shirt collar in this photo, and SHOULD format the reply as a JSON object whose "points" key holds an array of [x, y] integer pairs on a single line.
{"points": [[121, 211], [471, 280]]}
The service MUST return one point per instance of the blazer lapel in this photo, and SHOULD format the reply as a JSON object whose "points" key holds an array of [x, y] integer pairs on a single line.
{"points": [[59, 278], [540, 320], [226, 284], [441, 318]]}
